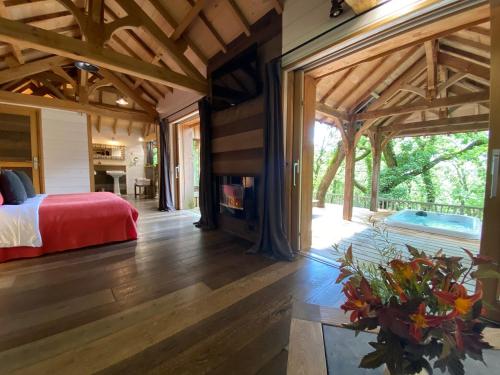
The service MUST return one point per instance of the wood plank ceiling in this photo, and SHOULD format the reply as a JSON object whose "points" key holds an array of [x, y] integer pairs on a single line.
{"points": [[148, 52], [440, 86]]}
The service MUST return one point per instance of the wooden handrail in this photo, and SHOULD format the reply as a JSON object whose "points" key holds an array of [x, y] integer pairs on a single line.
{"points": [[398, 205]]}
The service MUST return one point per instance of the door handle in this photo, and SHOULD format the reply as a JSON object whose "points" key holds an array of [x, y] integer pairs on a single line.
{"points": [[495, 163], [35, 162], [295, 172], [177, 169]]}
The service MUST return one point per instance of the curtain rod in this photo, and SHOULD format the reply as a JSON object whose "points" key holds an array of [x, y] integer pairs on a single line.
{"points": [[302, 45]]}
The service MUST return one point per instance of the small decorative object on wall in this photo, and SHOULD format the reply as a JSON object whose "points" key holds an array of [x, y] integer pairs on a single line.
{"points": [[422, 308], [108, 152]]}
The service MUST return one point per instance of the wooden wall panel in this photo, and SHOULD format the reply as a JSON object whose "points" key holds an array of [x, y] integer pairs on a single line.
{"points": [[238, 132], [242, 141]]}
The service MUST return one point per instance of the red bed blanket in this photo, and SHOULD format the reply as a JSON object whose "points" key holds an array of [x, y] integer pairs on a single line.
{"points": [[73, 221]]}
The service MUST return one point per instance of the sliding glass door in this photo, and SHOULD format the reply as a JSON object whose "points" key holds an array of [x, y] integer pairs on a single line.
{"points": [[19, 148]]}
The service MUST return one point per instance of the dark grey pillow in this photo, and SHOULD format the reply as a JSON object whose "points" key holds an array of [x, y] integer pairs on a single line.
{"points": [[27, 183], [12, 188]]}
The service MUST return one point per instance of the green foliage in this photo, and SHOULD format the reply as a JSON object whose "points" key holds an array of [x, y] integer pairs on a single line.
{"points": [[449, 169]]}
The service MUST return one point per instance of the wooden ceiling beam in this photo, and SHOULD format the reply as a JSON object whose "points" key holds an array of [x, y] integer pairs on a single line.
{"points": [[31, 68], [62, 73], [128, 91], [329, 111], [188, 19], [48, 41], [452, 129], [337, 83], [217, 37], [463, 120], [278, 6], [133, 9], [16, 51], [415, 69], [424, 105], [464, 66], [238, 15], [67, 105], [431, 48]]}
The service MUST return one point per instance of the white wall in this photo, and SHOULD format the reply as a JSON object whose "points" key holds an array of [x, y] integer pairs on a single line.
{"points": [[133, 148], [65, 152]]}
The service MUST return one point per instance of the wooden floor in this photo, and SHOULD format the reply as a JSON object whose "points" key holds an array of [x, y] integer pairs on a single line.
{"points": [[177, 301]]}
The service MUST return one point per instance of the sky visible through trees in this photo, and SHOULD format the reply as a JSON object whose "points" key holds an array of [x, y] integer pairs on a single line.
{"points": [[446, 169]]}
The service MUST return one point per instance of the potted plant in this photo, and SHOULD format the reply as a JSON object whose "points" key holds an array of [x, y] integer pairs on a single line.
{"points": [[421, 308]]}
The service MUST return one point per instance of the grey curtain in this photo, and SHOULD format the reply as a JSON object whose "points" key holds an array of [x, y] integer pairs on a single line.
{"points": [[208, 205], [272, 241], [166, 203]]}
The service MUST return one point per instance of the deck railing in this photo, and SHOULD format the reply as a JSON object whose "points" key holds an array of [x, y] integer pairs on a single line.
{"points": [[399, 205]]}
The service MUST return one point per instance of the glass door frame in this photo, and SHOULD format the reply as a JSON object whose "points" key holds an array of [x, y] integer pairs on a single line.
{"points": [[36, 162]]}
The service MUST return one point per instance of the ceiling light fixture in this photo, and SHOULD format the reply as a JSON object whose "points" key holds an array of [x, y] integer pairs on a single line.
{"points": [[82, 65], [121, 101], [336, 9]]}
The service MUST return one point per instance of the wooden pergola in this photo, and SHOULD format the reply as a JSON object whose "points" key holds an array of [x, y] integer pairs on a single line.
{"points": [[440, 86], [150, 52]]}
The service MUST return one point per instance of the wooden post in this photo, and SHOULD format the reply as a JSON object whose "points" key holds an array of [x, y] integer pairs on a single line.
{"points": [[307, 162], [350, 162], [376, 145], [490, 240]]}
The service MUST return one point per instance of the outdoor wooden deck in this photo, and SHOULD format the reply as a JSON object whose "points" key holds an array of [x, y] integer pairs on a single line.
{"points": [[368, 236]]}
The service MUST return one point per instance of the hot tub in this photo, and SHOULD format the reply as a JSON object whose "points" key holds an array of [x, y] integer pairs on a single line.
{"points": [[460, 226]]}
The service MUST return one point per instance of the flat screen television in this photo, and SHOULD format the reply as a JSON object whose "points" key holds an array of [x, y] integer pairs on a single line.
{"points": [[236, 81]]}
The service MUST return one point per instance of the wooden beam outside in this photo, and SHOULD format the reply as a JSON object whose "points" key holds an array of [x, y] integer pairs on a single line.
{"points": [[464, 66], [424, 105], [41, 102], [337, 83], [431, 59], [332, 112], [350, 163], [452, 129], [376, 146], [51, 42], [414, 70], [463, 120]]}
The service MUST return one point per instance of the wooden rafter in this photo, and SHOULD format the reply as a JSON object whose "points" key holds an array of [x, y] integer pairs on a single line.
{"points": [[128, 91], [16, 51], [328, 111], [431, 49], [90, 108], [188, 19], [337, 83], [463, 120], [31, 68], [48, 41], [424, 105], [464, 66], [238, 15], [132, 8], [278, 6]]}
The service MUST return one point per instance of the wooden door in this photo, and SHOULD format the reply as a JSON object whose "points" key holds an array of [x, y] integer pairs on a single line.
{"points": [[19, 147], [300, 116], [187, 167]]}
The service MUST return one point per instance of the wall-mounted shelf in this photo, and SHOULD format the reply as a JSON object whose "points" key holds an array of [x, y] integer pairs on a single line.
{"points": [[108, 152]]}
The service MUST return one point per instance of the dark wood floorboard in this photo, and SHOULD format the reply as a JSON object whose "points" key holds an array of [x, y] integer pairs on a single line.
{"points": [[209, 307]]}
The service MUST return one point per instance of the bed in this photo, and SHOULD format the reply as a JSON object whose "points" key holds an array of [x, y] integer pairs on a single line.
{"points": [[74, 221]]}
